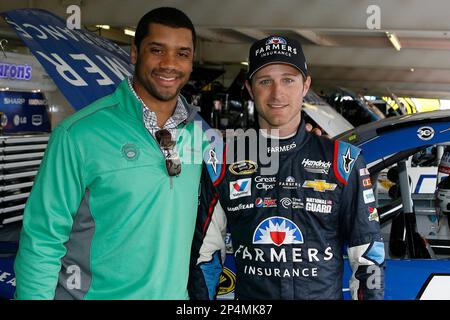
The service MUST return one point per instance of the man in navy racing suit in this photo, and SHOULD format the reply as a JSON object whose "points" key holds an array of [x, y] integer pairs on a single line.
{"points": [[288, 228]]}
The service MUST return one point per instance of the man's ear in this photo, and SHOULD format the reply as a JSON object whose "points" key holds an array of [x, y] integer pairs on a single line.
{"points": [[249, 88], [306, 85], [133, 54]]}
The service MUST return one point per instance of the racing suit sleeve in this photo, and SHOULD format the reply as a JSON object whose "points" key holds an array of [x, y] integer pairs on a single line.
{"points": [[208, 247], [48, 216], [362, 234]]}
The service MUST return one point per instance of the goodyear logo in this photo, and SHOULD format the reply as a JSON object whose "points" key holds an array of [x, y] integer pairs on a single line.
{"points": [[319, 185]]}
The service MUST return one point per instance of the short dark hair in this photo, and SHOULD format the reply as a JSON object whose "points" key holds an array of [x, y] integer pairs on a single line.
{"points": [[167, 16]]}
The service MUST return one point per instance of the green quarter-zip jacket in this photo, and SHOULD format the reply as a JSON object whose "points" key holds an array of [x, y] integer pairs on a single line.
{"points": [[104, 219]]}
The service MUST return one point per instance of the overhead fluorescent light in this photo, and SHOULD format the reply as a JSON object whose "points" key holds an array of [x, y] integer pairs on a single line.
{"points": [[129, 32], [394, 40], [103, 26], [245, 63]]}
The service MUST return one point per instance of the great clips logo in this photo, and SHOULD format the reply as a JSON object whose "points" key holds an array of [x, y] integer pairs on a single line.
{"points": [[277, 231]]}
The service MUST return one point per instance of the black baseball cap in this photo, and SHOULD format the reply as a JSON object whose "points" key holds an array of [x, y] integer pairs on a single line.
{"points": [[276, 49]]}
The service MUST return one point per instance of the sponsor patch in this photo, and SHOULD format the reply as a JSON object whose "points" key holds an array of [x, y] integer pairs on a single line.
{"points": [[444, 169], [318, 205], [319, 185], [373, 214], [240, 207], [368, 196], [243, 167], [228, 243], [366, 182], [290, 183], [227, 282], [265, 203], [347, 161], [344, 159], [277, 231], [265, 183], [240, 188], [294, 203], [363, 172], [285, 148], [213, 160], [316, 166]]}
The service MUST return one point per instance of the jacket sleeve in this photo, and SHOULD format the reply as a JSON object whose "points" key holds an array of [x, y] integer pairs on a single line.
{"points": [[208, 248], [48, 216], [362, 232]]}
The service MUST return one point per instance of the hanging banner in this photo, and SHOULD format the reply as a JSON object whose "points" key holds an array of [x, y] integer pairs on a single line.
{"points": [[84, 66]]}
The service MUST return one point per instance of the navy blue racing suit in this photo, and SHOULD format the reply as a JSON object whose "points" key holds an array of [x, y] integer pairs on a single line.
{"points": [[289, 229]]}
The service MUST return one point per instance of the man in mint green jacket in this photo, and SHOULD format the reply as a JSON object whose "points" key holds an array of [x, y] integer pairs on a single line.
{"points": [[113, 208]]}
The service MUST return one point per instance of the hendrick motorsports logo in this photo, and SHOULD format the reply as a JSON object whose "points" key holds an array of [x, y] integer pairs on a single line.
{"points": [[316, 166], [277, 231]]}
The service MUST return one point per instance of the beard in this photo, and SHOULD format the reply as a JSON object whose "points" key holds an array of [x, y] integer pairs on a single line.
{"points": [[152, 89]]}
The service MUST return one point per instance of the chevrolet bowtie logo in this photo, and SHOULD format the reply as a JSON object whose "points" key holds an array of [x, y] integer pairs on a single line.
{"points": [[319, 185]]}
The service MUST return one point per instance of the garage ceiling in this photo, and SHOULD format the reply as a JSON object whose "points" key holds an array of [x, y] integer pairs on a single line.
{"points": [[340, 48]]}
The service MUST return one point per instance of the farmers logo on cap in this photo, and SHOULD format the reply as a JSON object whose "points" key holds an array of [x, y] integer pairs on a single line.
{"points": [[276, 40]]}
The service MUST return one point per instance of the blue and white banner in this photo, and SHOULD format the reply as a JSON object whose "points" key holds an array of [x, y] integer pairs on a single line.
{"points": [[23, 112], [84, 66]]}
